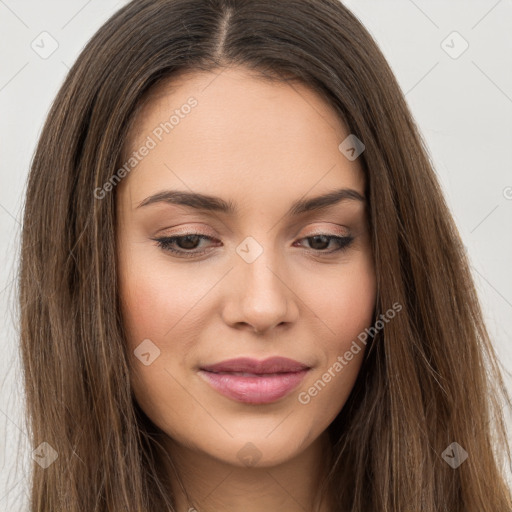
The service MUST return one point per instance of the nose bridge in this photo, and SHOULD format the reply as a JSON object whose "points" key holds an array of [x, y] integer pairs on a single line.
{"points": [[262, 298], [259, 267]]}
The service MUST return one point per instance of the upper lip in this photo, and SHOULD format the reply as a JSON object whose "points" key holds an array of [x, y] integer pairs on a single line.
{"points": [[249, 365]]}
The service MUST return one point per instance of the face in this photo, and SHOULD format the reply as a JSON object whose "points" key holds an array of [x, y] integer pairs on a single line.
{"points": [[250, 274]]}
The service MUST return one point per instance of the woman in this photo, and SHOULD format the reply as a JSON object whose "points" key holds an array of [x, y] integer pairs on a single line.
{"points": [[241, 287]]}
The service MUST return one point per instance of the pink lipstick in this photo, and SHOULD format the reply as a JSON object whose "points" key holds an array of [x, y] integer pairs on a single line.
{"points": [[255, 382]]}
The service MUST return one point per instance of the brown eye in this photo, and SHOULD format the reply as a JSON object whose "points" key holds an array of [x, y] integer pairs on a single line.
{"points": [[186, 244], [319, 243]]}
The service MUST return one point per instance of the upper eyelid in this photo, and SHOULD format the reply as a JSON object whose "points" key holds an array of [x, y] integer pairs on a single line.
{"points": [[203, 230], [203, 234]]}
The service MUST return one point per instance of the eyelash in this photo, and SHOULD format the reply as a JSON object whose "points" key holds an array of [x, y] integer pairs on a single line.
{"points": [[166, 242]]}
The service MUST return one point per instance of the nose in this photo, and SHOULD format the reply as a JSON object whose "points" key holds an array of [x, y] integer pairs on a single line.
{"points": [[260, 297]]}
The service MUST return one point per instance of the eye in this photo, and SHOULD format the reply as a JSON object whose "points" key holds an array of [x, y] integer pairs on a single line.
{"points": [[319, 241], [187, 244]]}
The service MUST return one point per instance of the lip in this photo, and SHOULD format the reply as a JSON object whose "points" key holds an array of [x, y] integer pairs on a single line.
{"points": [[264, 381], [249, 365]]}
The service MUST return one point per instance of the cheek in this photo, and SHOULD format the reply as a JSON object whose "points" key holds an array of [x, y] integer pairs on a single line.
{"points": [[163, 307], [345, 305], [152, 304], [345, 302], [153, 300]]}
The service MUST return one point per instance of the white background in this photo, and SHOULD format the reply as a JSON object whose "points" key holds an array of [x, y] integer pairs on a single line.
{"points": [[462, 105]]}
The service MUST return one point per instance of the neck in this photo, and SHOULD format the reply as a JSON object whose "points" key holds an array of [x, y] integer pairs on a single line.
{"points": [[211, 485]]}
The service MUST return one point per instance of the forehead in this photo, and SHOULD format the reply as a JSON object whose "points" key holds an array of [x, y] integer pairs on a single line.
{"points": [[230, 128]]}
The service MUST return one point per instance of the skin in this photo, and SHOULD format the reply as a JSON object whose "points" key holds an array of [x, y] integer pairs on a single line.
{"points": [[263, 146]]}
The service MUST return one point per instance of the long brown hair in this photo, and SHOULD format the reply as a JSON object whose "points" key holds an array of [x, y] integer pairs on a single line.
{"points": [[430, 378]]}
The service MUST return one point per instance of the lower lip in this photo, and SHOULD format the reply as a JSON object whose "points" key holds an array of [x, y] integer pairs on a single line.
{"points": [[254, 390]]}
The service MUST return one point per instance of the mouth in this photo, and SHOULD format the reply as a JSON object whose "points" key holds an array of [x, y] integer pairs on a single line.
{"points": [[255, 382]]}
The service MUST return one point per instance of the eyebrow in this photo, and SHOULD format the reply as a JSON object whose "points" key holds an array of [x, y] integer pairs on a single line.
{"points": [[216, 204]]}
